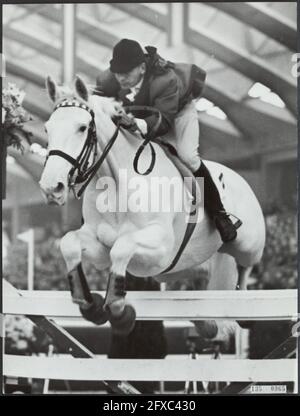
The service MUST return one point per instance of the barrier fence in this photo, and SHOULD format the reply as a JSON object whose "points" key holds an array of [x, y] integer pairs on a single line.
{"points": [[169, 305]]}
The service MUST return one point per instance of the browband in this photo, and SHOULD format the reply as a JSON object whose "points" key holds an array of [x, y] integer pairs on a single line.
{"points": [[74, 103]]}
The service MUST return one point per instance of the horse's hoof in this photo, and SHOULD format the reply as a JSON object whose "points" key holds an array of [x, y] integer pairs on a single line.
{"points": [[246, 324], [95, 312], [124, 324]]}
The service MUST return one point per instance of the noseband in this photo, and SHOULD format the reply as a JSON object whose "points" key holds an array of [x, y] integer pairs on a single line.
{"points": [[84, 173]]}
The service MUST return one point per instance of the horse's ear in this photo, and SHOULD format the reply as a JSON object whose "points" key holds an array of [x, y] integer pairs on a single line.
{"points": [[51, 88], [81, 88]]}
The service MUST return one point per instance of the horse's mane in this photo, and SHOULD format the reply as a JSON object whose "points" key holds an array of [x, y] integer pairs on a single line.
{"points": [[108, 105]]}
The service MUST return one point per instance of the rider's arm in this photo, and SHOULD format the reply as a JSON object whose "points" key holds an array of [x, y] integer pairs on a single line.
{"points": [[164, 95]]}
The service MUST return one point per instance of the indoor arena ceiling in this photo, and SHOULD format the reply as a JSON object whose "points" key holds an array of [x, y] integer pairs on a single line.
{"points": [[249, 104]]}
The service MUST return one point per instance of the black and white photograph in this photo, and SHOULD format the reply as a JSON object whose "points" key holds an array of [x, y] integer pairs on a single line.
{"points": [[149, 162]]}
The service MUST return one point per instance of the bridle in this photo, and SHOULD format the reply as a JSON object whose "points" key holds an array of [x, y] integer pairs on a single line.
{"points": [[84, 173]]}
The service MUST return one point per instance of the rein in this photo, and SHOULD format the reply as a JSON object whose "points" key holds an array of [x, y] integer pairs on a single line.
{"points": [[85, 174], [147, 140]]}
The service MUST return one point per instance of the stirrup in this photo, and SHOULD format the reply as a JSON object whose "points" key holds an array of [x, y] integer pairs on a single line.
{"points": [[237, 224]]}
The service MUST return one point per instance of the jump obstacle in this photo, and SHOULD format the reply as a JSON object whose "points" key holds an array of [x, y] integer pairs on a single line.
{"points": [[39, 306]]}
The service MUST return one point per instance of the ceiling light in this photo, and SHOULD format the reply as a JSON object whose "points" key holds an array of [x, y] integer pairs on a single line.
{"points": [[217, 112], [258, 90], [273, 99], [203, 104]]}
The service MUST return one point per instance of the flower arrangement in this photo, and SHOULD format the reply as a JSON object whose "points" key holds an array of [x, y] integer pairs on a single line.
{"points": [[22, 337], [19, 334], [14, 116]]}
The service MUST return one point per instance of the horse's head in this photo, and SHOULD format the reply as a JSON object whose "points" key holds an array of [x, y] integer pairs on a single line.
{"points": [[69, 131]]}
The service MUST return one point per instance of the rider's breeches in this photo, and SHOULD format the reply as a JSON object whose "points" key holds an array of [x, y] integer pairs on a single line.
{"points": [[186, 132]]}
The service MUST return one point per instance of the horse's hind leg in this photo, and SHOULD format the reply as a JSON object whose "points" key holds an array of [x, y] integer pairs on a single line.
{"points": [[223, 275], [244, 273]]}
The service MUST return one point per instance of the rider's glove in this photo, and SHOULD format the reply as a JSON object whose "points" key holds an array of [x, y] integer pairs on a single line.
{"points": [[126, 121], [142, 125], [130, 123]]}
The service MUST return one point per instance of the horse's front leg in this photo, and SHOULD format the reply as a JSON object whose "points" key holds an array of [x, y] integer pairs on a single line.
{"points": [[78, 246], [151, 246]]}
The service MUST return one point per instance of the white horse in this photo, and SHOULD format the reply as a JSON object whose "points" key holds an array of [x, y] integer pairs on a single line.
{"points": [[141, 243]]}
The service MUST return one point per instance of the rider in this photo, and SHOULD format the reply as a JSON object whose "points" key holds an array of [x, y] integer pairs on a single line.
{"points": [[138, 78]]}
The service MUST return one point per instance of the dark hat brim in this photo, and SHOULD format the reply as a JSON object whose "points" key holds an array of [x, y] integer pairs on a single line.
{"points": [[121, 67]]}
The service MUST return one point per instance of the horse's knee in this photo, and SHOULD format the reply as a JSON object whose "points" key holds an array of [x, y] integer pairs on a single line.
{"points": [[93, 251], [120, 255]]}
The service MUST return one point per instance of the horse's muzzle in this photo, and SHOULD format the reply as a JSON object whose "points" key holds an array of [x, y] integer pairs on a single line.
{"points": [[55, 195]]}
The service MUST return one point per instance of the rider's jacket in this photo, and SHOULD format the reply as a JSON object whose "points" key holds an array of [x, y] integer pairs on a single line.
{"points": [[167, 86]]}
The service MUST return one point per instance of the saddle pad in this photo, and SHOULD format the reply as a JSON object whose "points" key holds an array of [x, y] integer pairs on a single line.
{"points": [[219, 178], [191, 186]]}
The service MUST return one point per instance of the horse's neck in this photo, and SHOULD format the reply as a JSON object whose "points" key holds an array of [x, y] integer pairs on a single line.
{"points": [[122, 149]]}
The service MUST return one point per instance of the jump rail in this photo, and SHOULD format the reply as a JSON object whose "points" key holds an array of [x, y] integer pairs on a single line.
{"points": [[66, 368], [168, 305], [173, 305]]}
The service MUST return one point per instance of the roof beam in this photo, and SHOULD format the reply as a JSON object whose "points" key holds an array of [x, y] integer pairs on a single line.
{"points": [[34, 106], [236, 110], [230, 106], [244, 116], [84, 25], [55, 53], [43, 47], [252, 67], [212, 133], [24, 73], [264, 19], [144, 13], [46, 48]]}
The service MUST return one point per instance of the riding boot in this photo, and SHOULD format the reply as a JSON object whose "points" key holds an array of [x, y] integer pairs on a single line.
{"points": [[215, 208]]}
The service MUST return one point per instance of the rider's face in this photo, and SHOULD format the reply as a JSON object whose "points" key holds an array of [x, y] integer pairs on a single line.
{"points": [[131, 78]]}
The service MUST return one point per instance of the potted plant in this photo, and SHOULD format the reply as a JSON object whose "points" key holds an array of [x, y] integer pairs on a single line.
{"points": [[14, 116]]}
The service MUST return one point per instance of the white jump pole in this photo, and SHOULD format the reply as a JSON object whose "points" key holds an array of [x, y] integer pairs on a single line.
{"points": [[47, 380], [28, 237], [69, 43], [68, 66]]}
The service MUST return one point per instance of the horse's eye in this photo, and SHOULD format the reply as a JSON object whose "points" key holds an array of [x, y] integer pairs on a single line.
{"points": [[82, 129], [45, 128]]}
